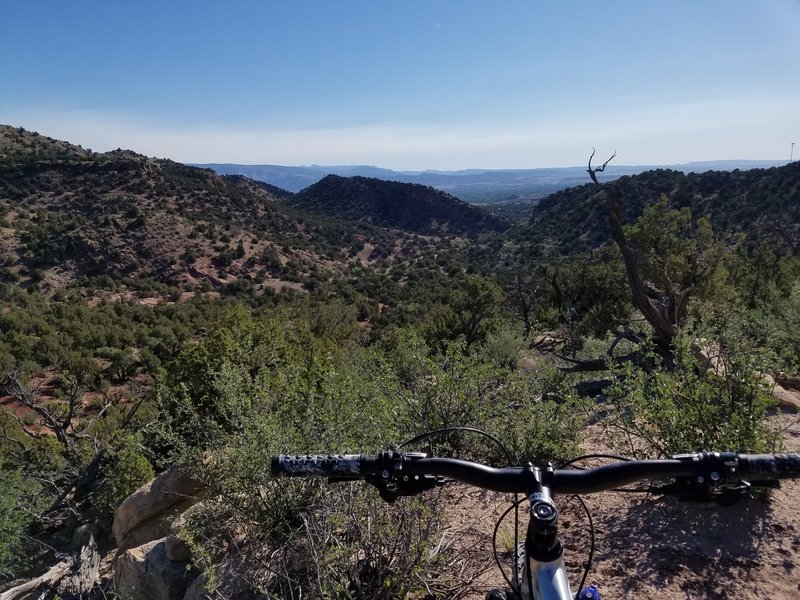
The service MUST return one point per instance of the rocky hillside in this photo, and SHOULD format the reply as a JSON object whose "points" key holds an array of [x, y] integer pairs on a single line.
{"points": [[67, 212], [410, 207], [762, 203]]}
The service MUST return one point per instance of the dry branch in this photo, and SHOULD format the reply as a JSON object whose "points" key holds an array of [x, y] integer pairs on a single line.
{"points": [[49, 580], [662, 314]]}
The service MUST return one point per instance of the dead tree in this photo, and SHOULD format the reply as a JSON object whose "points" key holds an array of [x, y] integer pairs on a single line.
{"points": [[59, 425], [665, 312], [521, 292], [78, 479]]}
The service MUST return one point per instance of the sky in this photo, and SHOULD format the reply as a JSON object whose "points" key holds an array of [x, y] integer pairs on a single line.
{"points": [[408, 85]]}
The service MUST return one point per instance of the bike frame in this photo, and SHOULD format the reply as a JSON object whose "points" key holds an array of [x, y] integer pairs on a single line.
{"points": [[549, 581], [545, 575]]}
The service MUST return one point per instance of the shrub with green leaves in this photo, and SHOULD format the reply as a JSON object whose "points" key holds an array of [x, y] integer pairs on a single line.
{"points": [[288, 383], [125, 470], [687, 408], [18, 509]]}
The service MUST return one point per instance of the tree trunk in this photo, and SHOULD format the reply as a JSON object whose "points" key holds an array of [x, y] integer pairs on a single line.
{"points": [[655, 311], [49, 580]]}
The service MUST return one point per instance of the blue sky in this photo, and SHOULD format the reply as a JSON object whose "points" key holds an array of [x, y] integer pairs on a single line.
{"points": [[408, 85]]}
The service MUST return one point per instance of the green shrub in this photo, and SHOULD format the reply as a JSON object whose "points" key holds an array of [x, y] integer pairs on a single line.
{"points": [[686, 409], [125, 470], [19, 501], [503, 348]]}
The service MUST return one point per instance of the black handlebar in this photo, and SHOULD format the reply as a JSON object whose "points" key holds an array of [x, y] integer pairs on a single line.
{"points": [[708, 469]]}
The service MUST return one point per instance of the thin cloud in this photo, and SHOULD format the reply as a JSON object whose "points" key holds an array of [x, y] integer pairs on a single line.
{"points": [[650, 135]]}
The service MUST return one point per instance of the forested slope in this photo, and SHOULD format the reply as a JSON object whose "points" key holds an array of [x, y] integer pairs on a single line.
{"points": [[69, 212], [762, 203], [410, 207]]}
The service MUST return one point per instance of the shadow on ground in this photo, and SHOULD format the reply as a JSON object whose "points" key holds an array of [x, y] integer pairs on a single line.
{"points": [[655, 543]]}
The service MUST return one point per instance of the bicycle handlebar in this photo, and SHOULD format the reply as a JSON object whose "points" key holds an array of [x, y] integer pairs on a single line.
{"points": [[712, 469]]}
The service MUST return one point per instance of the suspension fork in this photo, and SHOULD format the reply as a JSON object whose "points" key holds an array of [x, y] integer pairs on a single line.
{"points": [[544, 576]]}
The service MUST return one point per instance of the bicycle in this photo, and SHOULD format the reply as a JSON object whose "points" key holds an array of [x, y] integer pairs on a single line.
{"points": [[721, 477]]}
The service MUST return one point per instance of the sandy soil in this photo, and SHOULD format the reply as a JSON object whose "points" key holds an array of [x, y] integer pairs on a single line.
{"points": [[651, 547]]}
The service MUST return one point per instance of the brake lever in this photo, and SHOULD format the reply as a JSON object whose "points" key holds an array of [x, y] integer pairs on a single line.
{"points": [[407, 485], [392, 482], [687, 489], [717, 478]]}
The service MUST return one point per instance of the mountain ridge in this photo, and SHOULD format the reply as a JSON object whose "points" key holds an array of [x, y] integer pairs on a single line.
{"points": [[764, 204], [471, 185], [68, 213]]}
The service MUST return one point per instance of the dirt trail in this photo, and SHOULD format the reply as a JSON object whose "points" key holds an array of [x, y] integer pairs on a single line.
{"points": [[648, 547]]}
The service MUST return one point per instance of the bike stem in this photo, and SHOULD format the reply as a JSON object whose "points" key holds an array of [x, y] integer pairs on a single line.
{"points": [[546, 576]]}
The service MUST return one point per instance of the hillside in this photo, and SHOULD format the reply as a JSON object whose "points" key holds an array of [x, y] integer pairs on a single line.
{"points": [[395, 205], [68, 213], [761, 203]]}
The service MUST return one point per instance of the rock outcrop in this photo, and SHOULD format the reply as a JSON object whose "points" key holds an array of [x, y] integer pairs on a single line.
{"points": [[785, 398], [151, 561], [147, 572], [148, 512]]}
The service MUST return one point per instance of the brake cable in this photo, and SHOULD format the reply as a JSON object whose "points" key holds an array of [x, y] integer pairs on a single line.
{"points": [[514, 505], [517, 501]]}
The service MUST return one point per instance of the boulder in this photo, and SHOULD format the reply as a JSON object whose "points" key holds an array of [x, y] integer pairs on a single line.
{"points": [[708, 356], [157, 527], [82, 536], [147, 572], [783, 397], [197, 589], [177, 549], [172, 489]]}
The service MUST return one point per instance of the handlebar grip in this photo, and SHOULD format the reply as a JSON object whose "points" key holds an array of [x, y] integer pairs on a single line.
{"points": [[772, 466], [788, 465], [318, 465]]}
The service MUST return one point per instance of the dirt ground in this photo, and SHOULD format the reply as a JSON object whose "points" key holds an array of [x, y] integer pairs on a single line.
{"points": [[651, 547]]}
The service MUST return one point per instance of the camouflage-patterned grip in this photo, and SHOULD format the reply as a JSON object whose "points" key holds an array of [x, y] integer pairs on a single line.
{"points": [[788, 465], [318, 465], [770, 466]]}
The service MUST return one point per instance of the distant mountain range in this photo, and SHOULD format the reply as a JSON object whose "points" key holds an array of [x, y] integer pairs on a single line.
{"points": [[471, 185]]}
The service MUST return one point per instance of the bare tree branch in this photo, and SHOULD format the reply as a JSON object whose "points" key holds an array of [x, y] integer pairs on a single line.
{"points": [[656, 312], [593, 172]]}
